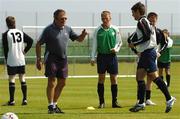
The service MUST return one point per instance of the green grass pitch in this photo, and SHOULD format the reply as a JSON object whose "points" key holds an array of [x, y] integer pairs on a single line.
{"points": [[78, 94]]}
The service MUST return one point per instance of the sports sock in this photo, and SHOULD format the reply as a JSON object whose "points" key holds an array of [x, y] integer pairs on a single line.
{"points": [[114, 90], [138, 96], [51, 103], [148, 94], [141, 91], [11, 91], [100, 90], [54, 104], [162, 86], [168, 77], [24, 90]]}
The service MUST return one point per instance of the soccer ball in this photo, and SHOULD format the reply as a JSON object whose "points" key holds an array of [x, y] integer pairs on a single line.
{"points": [[9, 115]]}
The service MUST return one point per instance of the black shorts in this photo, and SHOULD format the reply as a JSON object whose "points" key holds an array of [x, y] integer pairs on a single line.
{"points": [[148, 60], [164, 65], [15, 70], [56, 67], [107, 62]]}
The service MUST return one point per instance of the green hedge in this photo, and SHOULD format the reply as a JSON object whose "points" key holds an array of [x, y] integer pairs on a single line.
{"points": [[84, 49]]}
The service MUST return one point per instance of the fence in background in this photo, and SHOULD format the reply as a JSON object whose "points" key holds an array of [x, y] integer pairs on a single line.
{"points": [[79, 54]]}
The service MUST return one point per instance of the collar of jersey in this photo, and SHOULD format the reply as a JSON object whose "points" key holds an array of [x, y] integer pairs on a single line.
{"points": [[142, 17], [55, 26], [107, 28]]}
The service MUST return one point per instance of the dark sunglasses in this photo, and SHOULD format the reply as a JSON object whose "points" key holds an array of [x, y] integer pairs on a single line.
{"points": [[63, 18]]}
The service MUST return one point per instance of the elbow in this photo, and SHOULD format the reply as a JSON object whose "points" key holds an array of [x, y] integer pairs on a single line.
{"points": [[31, 42]]}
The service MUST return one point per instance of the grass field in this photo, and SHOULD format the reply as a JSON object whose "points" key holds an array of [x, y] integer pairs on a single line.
{"points": [[81, 93]]}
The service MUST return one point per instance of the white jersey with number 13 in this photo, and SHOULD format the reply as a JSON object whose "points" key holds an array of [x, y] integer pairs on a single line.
{"points": [[15, 48]]}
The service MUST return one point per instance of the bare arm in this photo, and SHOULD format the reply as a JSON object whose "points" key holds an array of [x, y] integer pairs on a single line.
{"points": [[38, 56], [94, 48]]}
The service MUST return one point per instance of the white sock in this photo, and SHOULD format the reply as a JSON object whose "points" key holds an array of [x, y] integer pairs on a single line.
{"points": [[54, 104], [51, 103]]}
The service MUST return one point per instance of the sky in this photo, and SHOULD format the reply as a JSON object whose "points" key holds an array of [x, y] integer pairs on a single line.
{"points": [[167, 6], [86, 12]]}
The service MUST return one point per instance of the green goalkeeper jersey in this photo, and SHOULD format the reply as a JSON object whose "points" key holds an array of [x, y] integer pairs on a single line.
{"points": [[166, 54], [106, 39]]}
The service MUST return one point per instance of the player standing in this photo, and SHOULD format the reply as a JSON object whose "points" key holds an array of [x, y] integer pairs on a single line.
{"points": [[14, 52], [106, 42], [56, 37], [164, 60]]}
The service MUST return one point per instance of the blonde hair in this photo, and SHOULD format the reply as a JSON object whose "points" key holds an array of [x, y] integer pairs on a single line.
{"points": [[105, 12]]}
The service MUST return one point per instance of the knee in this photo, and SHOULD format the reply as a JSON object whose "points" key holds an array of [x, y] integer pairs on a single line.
{"points": [[61, 83], [113, 81], [148, 86], [101, 81], [51, 84]]}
